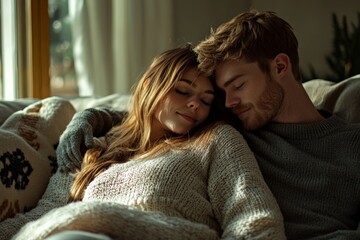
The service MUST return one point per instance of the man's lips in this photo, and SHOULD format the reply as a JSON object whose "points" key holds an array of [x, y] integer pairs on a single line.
{"points": [[187, 117], [240, 111]]}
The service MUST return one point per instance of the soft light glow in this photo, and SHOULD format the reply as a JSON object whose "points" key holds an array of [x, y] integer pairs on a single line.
{"points": [[9, 49]]}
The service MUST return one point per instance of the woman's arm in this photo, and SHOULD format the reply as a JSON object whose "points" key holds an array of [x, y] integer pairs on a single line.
{"points": [[242, 202], [78, 135]]}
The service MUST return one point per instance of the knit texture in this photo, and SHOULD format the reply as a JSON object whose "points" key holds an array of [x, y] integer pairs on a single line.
{"points": [[56, 195], [207, 192], [78, 136], [314, 172]]}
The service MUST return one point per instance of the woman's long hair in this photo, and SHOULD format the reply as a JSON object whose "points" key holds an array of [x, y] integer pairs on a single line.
{"points": [[132, 137]]}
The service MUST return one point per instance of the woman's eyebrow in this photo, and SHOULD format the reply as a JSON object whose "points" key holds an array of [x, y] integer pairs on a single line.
{"points": [[193, 84]]}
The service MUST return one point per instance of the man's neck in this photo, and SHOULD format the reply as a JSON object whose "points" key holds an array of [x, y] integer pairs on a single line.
{"points": [[297, 108]]}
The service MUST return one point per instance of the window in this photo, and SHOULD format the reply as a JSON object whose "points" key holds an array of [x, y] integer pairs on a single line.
{"points": [[31, 31], [62, 69], [1, 75], [8, 48]]}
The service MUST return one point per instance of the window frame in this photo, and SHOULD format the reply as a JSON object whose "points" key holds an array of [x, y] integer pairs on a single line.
{"points": [[25, 49], [38, 35]]}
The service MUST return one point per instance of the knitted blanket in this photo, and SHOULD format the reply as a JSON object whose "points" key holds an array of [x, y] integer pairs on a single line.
{"points": [[100, 216], [96, 216]]}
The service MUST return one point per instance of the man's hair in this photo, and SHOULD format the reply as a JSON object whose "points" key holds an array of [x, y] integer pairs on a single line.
{"points": [[253, 35]]}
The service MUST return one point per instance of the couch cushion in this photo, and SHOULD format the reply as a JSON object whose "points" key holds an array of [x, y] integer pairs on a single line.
{"points": [[9, 107], [342, 98]]}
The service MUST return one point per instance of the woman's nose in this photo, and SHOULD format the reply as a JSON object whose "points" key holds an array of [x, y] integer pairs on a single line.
{"points": [[194, 104]]}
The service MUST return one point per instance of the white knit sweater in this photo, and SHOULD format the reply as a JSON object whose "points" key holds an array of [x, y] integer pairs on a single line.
{"points": [[210, 192]]}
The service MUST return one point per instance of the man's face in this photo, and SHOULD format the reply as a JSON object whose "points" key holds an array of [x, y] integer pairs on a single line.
{"points": [[252, 95]]}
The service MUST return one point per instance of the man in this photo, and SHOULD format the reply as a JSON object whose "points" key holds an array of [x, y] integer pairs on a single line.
{"points": [[310, 159]]}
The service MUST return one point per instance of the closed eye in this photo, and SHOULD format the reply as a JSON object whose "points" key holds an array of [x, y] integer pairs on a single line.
{"points": [[182, 92], [239, 86], [206, 102]]}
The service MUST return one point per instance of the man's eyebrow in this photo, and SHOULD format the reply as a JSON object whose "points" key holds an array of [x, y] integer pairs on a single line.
{"points": [[193, 84]]}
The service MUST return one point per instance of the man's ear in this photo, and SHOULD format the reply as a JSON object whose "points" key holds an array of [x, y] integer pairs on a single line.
{"points": [[282, 64]]}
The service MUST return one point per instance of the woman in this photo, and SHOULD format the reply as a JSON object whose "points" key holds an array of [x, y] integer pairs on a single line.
{"points": [[168, 170]]}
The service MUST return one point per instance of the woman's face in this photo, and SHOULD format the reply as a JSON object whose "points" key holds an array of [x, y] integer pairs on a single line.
{"points": [[186, 105]]}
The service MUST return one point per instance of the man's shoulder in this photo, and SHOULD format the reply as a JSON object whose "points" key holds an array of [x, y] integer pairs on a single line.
{"points": [[345, 125]]}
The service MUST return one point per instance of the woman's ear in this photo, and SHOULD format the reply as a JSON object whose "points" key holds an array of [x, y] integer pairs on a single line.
{"points": [[282, 64]]}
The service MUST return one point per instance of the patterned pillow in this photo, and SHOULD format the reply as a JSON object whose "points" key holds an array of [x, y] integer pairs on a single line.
{"points": [[27, 153]]}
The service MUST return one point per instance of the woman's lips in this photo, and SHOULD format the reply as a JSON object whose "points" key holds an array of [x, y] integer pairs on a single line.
{"points": [[188, 117]]}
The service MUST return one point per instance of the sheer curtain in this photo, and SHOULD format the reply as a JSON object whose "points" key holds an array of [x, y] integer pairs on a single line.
{"points": [[114, 41]]}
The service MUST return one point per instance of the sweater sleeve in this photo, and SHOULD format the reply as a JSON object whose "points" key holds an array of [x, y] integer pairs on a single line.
{"points": [[242, 202], [78, 135], [56, 195]]}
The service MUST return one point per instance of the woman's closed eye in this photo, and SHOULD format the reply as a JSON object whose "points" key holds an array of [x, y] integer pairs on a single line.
{"points": [[184, 92], [181, 91], [207, 102]]}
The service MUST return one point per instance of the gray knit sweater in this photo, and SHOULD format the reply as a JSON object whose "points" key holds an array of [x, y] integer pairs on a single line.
{"points": [[207, 192], [314, 172]]}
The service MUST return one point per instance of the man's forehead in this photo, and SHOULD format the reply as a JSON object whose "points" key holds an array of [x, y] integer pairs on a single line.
{"points": [[226, 69]]}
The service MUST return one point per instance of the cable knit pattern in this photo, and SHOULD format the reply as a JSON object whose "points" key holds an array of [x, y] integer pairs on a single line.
{"points": [[207, 192]]}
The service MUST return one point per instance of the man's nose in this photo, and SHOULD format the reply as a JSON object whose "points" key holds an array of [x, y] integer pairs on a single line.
{"points": [[231, 101]]}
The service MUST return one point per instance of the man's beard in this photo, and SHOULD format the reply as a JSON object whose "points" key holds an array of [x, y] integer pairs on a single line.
{"points": [[266, 108]]}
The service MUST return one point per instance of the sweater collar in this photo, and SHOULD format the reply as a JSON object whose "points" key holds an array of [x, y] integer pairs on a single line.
{"points": [[305, 130]]}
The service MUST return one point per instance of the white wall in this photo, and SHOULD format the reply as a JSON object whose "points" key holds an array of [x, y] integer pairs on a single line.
{"points": [[312, 23], [311, 20], [194, 18]]}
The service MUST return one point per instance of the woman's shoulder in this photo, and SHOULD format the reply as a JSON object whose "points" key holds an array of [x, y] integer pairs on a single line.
{"points": [[224, 128], [218, 133]]}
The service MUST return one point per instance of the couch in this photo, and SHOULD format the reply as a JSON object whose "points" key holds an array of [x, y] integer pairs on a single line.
{"points": [[30, 131]]}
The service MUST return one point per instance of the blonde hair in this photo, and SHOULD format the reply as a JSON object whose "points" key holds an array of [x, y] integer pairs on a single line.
{"points": [[253, 35], [132, 137]]}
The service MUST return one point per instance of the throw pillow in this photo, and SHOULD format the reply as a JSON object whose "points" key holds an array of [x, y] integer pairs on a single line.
{"points": [[29, 138]]}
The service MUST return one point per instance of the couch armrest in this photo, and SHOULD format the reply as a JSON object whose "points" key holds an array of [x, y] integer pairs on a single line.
{"points": [[342, 98]]}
